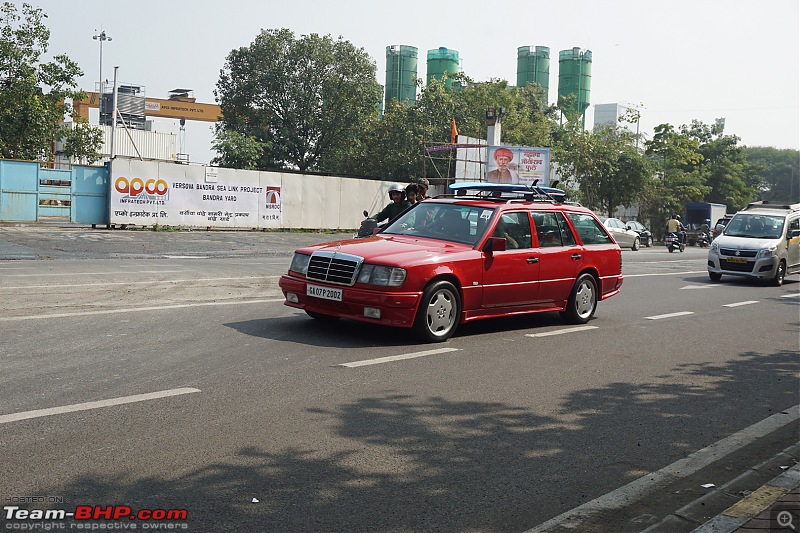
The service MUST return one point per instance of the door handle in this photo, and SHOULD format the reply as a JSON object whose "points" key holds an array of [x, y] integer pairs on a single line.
{"points": [[532, 260], [575, 257]]}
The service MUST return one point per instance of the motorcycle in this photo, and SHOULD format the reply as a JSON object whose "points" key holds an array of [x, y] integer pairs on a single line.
{"points": [[673, 242], [704, 241], [368, 227]]}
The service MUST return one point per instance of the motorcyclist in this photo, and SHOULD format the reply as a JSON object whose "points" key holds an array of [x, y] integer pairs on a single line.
{"points": [[398, 204], [674, 226], [706, 229]]}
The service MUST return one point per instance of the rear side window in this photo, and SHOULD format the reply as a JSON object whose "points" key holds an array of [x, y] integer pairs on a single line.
{"points": [[552, 230], [588, 229]]}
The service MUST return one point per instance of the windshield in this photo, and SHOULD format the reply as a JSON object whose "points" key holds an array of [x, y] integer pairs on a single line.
{"points": [[451, 222], [755, 226]]}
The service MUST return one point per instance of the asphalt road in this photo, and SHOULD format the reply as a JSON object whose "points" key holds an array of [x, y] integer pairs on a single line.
{"points": [[253, 424]]}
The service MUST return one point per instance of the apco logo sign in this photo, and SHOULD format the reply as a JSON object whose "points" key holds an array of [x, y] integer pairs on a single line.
{"points": [[139, 188]]}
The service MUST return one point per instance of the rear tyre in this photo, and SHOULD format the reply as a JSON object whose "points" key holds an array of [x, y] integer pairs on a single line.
{"points": [[582, 301], [635, 244], [671, 248], [438, 313], [715, 276], [320, 316], [780, 274]]}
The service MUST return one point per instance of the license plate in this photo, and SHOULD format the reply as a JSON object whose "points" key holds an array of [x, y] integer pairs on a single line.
{"points": [[736, 259], [325, 293]]}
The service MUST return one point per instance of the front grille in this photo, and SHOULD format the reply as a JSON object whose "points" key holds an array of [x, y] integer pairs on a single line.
{"points": [[735, 267], [742, 253], [334, 267]]}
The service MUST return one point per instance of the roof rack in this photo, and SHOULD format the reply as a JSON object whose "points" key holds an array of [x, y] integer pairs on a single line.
{"points": [[506, 192], [773, 204]]}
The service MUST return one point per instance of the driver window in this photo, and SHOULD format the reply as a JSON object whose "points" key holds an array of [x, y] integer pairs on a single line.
{"points": [[515, 228]]}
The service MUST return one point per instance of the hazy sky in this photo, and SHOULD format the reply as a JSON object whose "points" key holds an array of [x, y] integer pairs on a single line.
{"points": [[679, 59]]}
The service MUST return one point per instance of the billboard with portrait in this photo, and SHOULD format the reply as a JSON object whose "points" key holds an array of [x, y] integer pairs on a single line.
{"points": [[518, 164]]}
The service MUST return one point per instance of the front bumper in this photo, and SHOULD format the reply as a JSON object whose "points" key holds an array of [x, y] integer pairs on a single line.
{"points": [[396, 308], [753, 267]]}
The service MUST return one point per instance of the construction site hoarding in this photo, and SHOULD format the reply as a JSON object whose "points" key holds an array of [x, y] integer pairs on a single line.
{"points": [[148, 193]]}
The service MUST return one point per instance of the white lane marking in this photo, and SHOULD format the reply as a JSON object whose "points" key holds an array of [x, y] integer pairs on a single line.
{"points": [[791, 295], [48, 274], [664, 274], [737, 304], [645, 485], [15, 417], [184, 256], [700, 287], [135, 309], [398, 357], [669, 315], [560, 331], [136, 282]]}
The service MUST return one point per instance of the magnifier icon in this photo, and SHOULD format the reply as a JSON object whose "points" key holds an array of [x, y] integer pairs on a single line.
{"points": [[784, 519]]}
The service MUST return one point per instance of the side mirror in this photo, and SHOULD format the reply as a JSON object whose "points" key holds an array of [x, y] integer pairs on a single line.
{"points": [[494, 244], [719, 227], [366, 213]]}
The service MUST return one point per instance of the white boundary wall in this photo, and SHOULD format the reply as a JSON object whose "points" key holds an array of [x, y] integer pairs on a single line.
{"points": [[151, 192]]}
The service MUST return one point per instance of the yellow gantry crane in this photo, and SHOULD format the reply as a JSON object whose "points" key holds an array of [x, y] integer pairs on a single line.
{"points": [[179, 105]]}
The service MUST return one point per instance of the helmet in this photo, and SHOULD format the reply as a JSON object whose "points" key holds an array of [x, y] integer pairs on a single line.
{"points": [[396, 187], [423, 182], [677, 217]]}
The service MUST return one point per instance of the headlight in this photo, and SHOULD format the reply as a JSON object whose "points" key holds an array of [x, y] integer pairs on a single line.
{"points": [[767, 252], [300, 263], [714, 247], [382, 275]]}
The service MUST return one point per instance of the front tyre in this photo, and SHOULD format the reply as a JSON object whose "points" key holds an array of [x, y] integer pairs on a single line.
{"points": [[715, 276], [635, 246], [780, 274], [582, 301], [438, 313]]}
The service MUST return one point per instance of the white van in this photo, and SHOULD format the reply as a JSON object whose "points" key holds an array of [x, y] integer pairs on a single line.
{"points": [[762, 242]]}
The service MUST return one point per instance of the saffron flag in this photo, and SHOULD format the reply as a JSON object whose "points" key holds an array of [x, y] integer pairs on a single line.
{"points": [[454, 133]]}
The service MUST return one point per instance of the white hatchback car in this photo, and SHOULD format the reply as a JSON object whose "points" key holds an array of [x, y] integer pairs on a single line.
{"points": [[761, 242]]}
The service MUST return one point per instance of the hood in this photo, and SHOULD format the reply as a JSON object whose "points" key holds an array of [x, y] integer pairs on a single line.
{"points": [[745, 243], [394, 250]]}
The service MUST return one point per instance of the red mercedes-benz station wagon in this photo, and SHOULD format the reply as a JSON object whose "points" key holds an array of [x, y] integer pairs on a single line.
{"points": [[459, 258]]}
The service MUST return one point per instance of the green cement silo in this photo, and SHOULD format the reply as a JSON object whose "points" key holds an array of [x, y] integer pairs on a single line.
{"points": [[575, 76], [441, 62], [533, 66], [401, 73]]}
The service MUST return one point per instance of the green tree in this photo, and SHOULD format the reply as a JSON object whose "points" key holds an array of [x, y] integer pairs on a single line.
{"points": [[82, 142], [778, 172], [32, 94], [237, 150], [604, 162], [724, 168], [677, 157], [308, 99], [397, 141]]}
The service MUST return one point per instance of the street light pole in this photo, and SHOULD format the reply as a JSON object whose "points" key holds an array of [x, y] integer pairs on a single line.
{"points": [[101, 37]]}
